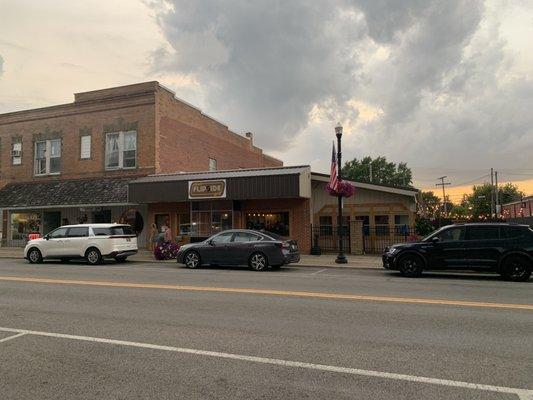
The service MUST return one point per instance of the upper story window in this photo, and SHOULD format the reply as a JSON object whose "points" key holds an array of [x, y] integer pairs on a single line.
{"points": [[16, 153], [212, 164], [121, 150], [48, 157], [85, 147]]}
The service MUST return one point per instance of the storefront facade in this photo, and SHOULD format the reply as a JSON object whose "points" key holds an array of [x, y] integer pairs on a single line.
{"points": [[375, 217], [72, 162], [197, 205], [42, 207]]}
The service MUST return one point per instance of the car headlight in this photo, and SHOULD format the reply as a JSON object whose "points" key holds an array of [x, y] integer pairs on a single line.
{"points": [[393, 250]]}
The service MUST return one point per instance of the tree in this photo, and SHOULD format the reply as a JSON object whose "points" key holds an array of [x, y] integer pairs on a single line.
{"points": [[478, 202], [423, 226], [383, 171], [429, 205]]}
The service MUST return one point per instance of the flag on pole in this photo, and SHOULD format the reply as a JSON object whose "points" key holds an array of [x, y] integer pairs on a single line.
{"points": [[334, 176], [336, 187]]}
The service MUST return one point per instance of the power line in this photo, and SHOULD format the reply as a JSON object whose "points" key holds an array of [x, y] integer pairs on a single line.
{"points": [[472, 181]]}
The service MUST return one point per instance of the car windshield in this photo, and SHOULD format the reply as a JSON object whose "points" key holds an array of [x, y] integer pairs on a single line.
{"points": [[426, 238]]}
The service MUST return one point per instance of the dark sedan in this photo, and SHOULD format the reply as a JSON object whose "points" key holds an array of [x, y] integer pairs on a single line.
{"points": [[258, 250]]}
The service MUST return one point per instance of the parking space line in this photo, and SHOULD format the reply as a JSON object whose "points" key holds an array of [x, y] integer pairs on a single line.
{"points": [[523, 394], [12, 337], [273, 292], [319, 271]]}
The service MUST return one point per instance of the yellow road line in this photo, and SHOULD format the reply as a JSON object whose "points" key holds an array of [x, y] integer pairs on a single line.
{"points": [[271, 292]]}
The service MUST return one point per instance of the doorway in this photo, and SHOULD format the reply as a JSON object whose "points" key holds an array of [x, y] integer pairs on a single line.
{"points": [[51, 220]]}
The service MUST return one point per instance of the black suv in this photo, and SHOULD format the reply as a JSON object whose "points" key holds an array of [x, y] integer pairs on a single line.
{"points": [[500, 247]]}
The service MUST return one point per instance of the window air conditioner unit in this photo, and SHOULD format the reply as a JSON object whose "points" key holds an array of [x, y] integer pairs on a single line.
{"points": [[16, 153]]}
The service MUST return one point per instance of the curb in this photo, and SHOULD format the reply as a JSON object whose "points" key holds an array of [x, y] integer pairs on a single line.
{"points": [[152, 261]]}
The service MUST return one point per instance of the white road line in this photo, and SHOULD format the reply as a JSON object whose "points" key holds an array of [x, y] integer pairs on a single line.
{"points": [[523, 394], [318, 272], [12, 337]]}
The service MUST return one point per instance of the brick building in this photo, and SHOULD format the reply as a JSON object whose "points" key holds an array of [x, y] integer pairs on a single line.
{"points": [[136, 154], [73, 162]]}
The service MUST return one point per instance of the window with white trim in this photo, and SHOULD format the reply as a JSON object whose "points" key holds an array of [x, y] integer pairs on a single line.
{"points": [[16, 153], [48, 157], [212, 164], [121, 150], [85, 147]]}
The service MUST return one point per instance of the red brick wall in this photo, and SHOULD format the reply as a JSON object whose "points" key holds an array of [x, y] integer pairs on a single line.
{"points": [[68, 122], [172, 136], [187, 139], [299, 217]]}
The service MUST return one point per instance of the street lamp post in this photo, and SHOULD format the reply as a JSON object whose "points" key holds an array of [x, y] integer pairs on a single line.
{"points": [[341, 258]]}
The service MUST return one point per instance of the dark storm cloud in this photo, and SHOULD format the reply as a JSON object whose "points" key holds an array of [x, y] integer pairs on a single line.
{"points": [[272, 61], [433, 68]]}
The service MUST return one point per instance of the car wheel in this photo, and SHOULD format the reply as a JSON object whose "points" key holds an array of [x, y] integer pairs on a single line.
{"points": [[120, 259], [192, 260], [516, 268], [410, 265], [93, 256], [35, 256], [258, 262]]}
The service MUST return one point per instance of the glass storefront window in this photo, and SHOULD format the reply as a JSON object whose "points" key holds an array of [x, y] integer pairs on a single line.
{"points": [[382, 225], [221, 221], [401, 224], [210, 217], [24, 223], [277, 222]]}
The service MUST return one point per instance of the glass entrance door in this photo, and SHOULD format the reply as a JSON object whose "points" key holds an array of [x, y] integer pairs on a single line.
{"points": [[51, 221]]}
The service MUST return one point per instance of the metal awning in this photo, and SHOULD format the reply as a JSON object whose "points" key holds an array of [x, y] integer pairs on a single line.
{"points": [[241, 184]]}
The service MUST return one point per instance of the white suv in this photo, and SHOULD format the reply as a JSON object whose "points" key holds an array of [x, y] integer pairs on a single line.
{"points": [[94, 242]]}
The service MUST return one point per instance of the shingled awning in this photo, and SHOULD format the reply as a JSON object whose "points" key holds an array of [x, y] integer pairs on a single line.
{"points": [[65, 193]]}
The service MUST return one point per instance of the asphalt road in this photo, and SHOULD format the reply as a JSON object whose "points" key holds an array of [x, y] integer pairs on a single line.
{"points": [[123, 331]]}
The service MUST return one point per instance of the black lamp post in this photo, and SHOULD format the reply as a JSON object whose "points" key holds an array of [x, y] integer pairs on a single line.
{"points": [[341, 258]]}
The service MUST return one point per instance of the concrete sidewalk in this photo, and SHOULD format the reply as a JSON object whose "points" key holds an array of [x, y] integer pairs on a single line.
{"points": [[324, 261]]}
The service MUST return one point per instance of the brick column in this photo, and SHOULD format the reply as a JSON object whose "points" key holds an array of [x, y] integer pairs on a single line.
{"points": [[356, 237]]}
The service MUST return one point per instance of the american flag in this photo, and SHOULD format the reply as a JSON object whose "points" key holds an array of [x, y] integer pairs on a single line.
{"points": [[333, 179]]}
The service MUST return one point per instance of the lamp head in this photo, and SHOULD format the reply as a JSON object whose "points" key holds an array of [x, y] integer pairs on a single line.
{"points": [[338, 130]]}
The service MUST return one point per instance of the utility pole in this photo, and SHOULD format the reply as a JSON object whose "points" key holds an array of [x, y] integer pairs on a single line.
{"points": [[497, 194], [492, 192], [443, 184]]}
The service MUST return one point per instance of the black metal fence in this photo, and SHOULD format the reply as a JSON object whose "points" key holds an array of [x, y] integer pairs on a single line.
{"points": [[327, 238], [374, 239], [377, 238]]}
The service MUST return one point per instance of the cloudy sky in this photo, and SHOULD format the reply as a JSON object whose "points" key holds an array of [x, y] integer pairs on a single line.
{"points": [[446, 86]]}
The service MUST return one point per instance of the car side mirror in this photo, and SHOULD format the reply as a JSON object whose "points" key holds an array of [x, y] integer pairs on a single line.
{"points": [[435, 239], [210, 243]]}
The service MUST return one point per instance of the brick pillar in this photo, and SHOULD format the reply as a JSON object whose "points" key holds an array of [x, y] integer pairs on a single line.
{"points": [[4, 228], [356, 237]]}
